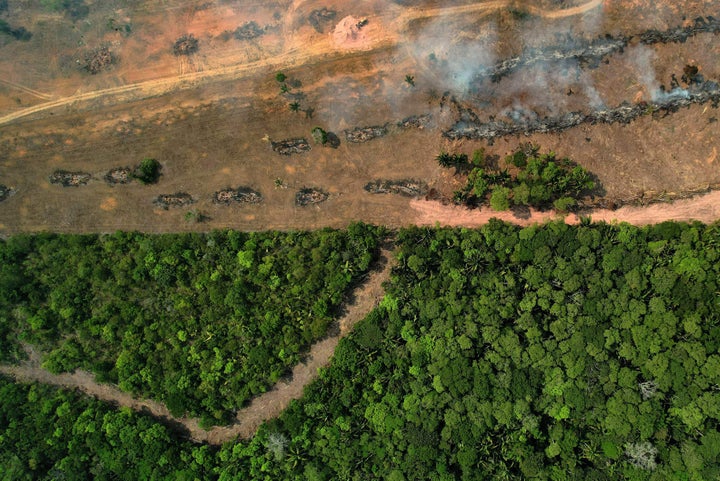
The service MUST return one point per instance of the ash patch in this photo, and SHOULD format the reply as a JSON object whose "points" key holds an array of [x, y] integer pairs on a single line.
{"points": [[291, 146], [5, 192], [320, 18], [699, 92], [310, 195], [178, 199], [98, 60], [707, 24], [359, 135], [69, 179], [405, 187], [185, 45], [249, 31], [119, 175], [242, 195]]}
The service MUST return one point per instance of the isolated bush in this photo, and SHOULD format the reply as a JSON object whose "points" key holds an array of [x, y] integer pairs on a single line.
{"points": [[148, 171]]}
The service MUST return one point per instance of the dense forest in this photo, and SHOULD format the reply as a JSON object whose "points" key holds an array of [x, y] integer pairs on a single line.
{"points": [[550, 352], [46, 433], [200, 322]]}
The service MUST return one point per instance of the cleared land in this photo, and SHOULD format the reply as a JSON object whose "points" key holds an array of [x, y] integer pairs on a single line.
{"points": [[210, 117]]}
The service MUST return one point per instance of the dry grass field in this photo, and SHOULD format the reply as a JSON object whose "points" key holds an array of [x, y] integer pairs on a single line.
{"points": [[210, 117]]}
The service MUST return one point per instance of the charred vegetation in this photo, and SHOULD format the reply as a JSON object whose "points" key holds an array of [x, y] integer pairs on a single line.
{"points": [[405, 187], [291, 146], [241, 195], [178, 199], [310, 195], [69, 179]]}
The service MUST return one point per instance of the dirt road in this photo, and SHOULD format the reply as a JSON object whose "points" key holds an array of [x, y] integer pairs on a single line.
{"points": [[704, 208], [292, 58]]}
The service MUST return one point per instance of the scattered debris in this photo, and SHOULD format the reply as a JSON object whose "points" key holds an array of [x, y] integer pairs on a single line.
{"points": [[69, 179], [364, 134], [98, 60], [405, 187], [177, 199], [291, 146], [680, 34], [362, 23], [119, 175], [248, 31], [186, 45], [310, 195], [5, 192], [469, 126], [590, 53], [319, 18], [415, 122], [243, 195]]}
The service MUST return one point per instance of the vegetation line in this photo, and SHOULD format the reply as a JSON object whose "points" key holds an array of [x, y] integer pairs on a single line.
{"points": [[262, 408]]}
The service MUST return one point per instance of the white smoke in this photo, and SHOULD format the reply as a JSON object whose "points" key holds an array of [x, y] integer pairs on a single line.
{"points": [[643, 58]]}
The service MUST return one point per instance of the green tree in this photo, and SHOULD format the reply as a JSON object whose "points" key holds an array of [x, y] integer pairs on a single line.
{"points": [[500, 198], [148, 171]]}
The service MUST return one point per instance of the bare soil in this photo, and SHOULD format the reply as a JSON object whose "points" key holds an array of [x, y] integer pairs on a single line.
{"points": [[208, 116]]}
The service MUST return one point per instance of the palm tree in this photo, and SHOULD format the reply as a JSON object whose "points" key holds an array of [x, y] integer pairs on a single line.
{"points": [[294, 107]]}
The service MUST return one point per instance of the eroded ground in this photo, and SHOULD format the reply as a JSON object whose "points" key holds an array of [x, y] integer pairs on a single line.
{"points": [[210, 118]]}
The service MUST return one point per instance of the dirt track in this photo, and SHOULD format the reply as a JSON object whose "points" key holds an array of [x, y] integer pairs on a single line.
{"points": [[290, 59], [704, 208]]}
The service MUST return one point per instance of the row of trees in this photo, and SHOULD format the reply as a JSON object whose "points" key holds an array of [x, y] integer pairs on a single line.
{"points": [[202, 322], [527, 179]]}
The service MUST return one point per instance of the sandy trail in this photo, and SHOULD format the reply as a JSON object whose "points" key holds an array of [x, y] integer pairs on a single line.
{"points": [[266, 406], [26, 89], [704, 208], [291, 59]]}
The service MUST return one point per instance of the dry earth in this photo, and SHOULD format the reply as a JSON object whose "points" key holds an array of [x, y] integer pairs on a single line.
{"points": [[208, 117]]}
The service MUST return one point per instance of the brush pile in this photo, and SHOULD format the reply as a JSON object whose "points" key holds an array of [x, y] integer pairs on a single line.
{"points": [[310, 195], [177, 199], [415, 122], [405, 187], [5, 192], [69, 179], [119, 175], [707, 24], [185, 45], [291, 146], [699, 92], [98, 60], [359, 135], [242, 195]]}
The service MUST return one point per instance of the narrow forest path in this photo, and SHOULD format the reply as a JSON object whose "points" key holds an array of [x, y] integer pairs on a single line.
{"points": [[266, 406]]}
